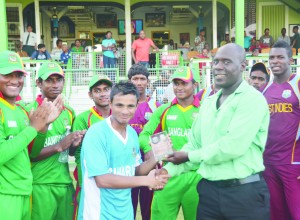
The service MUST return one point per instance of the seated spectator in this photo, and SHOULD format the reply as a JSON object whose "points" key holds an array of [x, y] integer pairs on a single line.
{"points": [[65, 55], [266, 40], [284, 37], [171, 45], [55, 53], [255, 52], [77, 47], [160, 85], [256, 46], [207, 47], [247, 41], [203, 55], [41, 53], [225, 41]]}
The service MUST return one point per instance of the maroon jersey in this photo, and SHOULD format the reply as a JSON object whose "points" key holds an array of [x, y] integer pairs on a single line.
{"points": [[283, 146]]}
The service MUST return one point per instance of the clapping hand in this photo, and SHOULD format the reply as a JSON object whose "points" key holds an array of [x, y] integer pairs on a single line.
{"points": [[56, 108]]}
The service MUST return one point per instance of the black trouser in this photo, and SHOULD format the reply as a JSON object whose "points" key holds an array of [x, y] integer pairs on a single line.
{"points": [[250, 201], [28, 49]]}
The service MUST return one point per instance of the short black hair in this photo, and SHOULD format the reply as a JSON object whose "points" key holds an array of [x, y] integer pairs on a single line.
{"points": [[137, 69], [124, 88], [77, 40], [285, 45], [29, 25], [108, 32], [262, 69], [40, 46], [58, 41], [295, 27]]}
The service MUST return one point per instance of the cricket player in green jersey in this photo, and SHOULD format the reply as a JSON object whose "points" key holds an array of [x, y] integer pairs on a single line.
{"points": [[52, 184], [99, 92], [176, 118], [18, 130]]}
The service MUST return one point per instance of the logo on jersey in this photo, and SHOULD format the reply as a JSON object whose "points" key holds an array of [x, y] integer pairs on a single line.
{"points": [[26, 121], [12, 124], [147, 115], [66, 122], [171, 117], [194, 115], [134, 153], [286, 93]]}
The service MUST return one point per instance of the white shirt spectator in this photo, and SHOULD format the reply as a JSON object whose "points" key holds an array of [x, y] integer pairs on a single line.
{"points": [[285, 38], [31, 39]]}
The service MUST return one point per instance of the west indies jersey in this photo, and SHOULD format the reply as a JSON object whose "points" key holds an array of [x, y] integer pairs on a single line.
{"points": [[283, 146], [50, 170], [204, 93], [15, 136], [174, 119], [142, 114], [82, 122]]}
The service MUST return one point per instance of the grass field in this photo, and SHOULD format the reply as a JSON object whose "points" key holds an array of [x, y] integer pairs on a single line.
{"points": [[139, 217]]}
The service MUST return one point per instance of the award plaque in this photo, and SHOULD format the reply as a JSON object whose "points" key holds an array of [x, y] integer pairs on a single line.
{"points": [[160, 146]]}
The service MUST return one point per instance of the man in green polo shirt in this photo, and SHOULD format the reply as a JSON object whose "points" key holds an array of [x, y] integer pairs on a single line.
{"points": [[226, 145], [99, 92], [18, 129], [176, 118], [52, 184]]}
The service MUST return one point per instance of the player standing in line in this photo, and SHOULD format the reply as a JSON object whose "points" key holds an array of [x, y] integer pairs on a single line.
{"points": [[176, 118], [52, 184], [282, 154], [17, 130], [259, 75], [208, 91], [111, 161], [138, 75], [99, 91]]}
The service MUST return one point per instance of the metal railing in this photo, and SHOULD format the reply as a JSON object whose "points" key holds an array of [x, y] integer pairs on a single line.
{"points": [[83, 66]]}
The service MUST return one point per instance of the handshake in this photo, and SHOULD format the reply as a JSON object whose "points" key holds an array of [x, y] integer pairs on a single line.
{"points": [[158, 178]]}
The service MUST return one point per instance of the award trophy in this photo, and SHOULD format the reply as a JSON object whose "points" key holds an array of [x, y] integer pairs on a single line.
{"points": [[161, 146]]}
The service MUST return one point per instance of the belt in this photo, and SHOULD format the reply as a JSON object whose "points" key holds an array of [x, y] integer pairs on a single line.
{"points": [[236, 182]]}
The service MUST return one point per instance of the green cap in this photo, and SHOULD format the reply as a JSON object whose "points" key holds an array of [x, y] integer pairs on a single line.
{"points": [[100, 78], [48, 69], [184, 73], [10, 62]]}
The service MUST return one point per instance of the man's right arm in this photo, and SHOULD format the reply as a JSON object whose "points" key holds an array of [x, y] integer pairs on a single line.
{"points": [[11, 147], [133, 55], [113, 181]]}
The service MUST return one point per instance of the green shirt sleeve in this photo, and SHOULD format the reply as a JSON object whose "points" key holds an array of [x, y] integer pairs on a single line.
{"points": [[245, 124], [150, 127], [10, 148], [37, 145]]}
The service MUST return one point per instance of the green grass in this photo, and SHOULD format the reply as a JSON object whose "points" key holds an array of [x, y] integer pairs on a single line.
{"points": [[139, 217]]}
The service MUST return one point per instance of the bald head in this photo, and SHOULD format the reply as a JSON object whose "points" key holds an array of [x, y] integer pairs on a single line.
{"points": [[235, 50], [228, 66]]}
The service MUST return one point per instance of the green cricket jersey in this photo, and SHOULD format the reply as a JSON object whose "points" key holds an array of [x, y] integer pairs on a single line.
{"points": [[15, 136], [50, 170], [174, 119], [82, 122]]}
